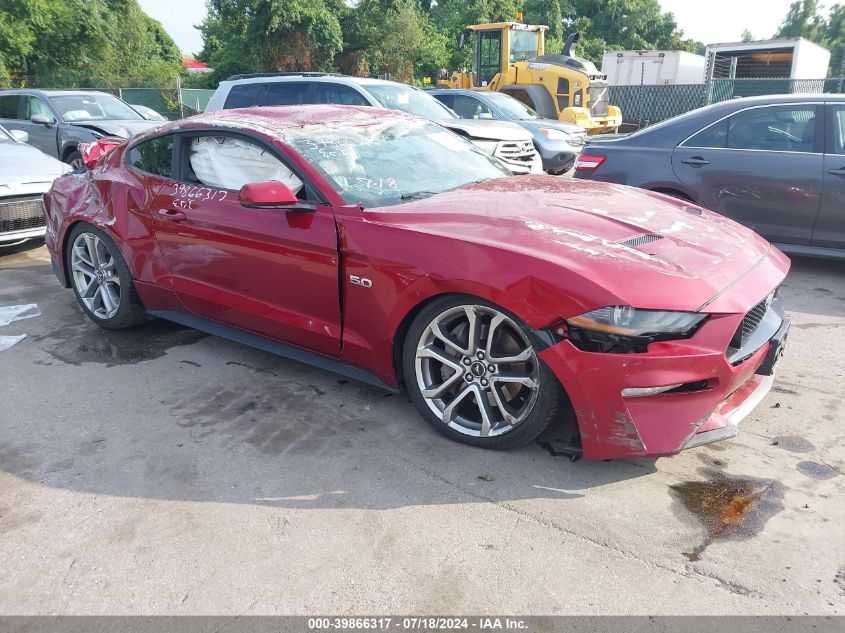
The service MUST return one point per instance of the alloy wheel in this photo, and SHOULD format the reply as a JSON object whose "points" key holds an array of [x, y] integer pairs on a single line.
{"points": [[95, 275], [477, 371]]}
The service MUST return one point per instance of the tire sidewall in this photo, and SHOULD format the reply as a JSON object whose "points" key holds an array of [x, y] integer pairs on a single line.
{"points": [[124, 316], [547, 400]]}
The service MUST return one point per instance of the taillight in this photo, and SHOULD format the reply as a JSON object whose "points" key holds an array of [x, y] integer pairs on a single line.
{"points": [[589, 162]]}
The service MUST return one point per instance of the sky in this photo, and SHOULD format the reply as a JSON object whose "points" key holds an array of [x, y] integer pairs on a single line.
{"points": [[711, 22]]}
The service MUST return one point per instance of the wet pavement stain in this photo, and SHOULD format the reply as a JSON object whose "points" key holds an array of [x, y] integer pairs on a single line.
{"points": [[124, 347], [793, 443], [729, 507], [817, 471]]}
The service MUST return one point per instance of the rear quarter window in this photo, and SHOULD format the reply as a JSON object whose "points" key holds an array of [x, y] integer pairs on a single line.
{"points": [[154, 156], [242, 96]]}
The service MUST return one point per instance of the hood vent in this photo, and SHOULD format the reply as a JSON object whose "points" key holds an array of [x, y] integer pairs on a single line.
{"points": [[640, 240]]}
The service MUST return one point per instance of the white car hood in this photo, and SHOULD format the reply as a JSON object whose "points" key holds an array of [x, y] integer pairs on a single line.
{"points": [[488, 129], [27, 169]]}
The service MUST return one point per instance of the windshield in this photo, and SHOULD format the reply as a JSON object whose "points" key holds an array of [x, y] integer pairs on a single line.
{"points": [[93, 107], [523, 45], [410, 100], [392, 161], [512, 107]]}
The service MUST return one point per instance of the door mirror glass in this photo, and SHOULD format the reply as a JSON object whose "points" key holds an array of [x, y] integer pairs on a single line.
{"points": [[267, 194], [41, 119], [19, 135]]}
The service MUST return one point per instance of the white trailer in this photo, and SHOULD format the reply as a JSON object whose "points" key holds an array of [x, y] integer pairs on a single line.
{"points": [[780, 58], [652, 68]]}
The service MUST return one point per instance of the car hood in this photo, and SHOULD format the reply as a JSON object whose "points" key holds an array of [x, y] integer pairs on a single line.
{"points": [[488, 129], [539, 124], [118, 127], [689, 256], [25, 164]]}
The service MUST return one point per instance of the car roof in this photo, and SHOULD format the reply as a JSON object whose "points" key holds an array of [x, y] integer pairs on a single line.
{"points": [[280, 118], [318, 77], [53, 93]]}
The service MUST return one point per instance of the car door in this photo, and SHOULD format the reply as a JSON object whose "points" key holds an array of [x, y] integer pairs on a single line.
{"points": [[830, 227], [269, 271], [761, 166], [42, 136]]}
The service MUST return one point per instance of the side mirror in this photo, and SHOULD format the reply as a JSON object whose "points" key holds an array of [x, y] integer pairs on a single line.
{"points": [[461, 39], [267, 195], [20, 136], [41, 119]]}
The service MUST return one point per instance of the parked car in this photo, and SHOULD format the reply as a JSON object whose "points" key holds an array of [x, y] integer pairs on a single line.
{"points": [[26, 175], [381, 246], [148, 113], [557, 143], [57, 121], [506, 141], [775, 164]]}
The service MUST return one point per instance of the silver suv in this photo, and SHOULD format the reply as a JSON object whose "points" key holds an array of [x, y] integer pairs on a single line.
{"points": [[508, 142]]}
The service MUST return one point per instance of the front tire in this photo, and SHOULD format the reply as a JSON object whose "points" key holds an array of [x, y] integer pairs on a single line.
{"points": [[101, 279], [74, 159], [472, 370]]}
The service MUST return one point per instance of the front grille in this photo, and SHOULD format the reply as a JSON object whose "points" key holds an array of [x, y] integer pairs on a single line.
{"points": [[599, 100], [21, 214], [516, 151], [750, 322], [640, 240]]}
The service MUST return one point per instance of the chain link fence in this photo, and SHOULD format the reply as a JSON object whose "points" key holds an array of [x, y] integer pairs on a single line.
{"points": [[645, 105]]}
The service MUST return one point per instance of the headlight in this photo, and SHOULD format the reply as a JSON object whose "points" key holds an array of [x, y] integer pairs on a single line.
{"points": [[555, 135], [487, 146], [626, 329]]}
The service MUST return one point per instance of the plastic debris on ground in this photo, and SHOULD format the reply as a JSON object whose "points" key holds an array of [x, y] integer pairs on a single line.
{"points": [[10, 314], [7, 341]]}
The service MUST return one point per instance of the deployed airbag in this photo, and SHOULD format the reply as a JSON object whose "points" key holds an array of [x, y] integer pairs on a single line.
{"points": [[230, 163]]}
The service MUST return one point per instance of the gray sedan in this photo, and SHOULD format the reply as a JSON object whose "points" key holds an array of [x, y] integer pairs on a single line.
{"points": [[557, 143], [775, 164], [58, 121]]}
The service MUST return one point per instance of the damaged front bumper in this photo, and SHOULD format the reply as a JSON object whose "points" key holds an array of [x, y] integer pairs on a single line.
{"points": [[708, 391]]}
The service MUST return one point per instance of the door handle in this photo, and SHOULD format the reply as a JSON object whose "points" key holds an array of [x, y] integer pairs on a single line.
{"points": [[837, 172], [695, 161], [172, 214]]}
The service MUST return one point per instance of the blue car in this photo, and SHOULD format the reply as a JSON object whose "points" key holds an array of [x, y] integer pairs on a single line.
{"points": [[557, 143]]}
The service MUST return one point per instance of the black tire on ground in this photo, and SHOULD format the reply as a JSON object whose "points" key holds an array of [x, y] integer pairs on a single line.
{"points": [[74, 159], [549, 402], [130, 311]]}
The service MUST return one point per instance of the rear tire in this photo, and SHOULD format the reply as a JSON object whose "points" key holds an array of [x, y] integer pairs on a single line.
{"points": [[472, 370], [101, 279]]}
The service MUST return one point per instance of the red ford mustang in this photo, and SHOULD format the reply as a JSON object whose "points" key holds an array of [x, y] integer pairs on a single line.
{"points": [[383, 247]]}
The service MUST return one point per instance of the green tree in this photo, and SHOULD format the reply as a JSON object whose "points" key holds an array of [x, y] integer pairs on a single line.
{"points": [[267, 36], [747, 36], [92, 43], [835, 40], [394, 38], [803, 20]]}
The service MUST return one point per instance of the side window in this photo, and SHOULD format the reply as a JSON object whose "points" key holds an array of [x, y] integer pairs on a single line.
{"points": [[287, 93], [712, 136], [9, 106], [242, 96], [230, 162], [839, 129], [471, 108], [154, 156], [34, 106], [787, 128], [336, 93], [489, 56]]}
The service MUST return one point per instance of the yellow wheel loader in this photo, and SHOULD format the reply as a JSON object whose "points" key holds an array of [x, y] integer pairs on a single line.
{"points": [[509, 57]]}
